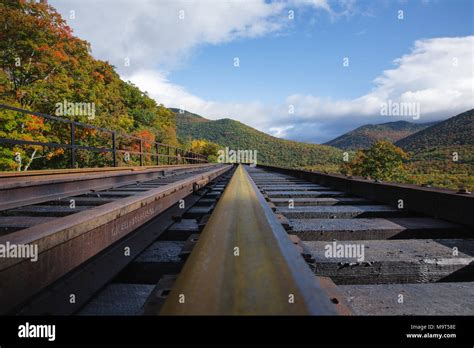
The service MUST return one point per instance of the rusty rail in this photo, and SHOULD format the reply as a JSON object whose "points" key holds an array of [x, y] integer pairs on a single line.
{"points": [[36, 187], [64, 244], [244, 263]]}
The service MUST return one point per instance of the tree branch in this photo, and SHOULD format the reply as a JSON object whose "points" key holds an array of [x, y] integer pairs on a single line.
{"points": [[31, 160]]}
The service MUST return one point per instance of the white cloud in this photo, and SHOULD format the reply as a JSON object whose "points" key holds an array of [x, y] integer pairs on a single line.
{"points": [[165, 92], [162, 90], [323, 4], [280, 132], [437, 74], [164, 32]]}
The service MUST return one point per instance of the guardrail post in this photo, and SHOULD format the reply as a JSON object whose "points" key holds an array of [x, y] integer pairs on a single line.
{"points": [[73, 140], [157, 154], [114, 148], [141, 152], [169, 155]]}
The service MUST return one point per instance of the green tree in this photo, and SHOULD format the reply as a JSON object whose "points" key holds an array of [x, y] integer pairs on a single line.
{"points": [[206, 148], [382, 161], [42, 64]]}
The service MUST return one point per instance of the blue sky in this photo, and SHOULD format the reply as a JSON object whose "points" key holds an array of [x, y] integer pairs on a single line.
{"points": [[182, 53], [307, 58]]}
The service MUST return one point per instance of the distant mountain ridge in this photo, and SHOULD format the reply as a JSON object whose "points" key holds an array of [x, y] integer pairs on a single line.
{"points": [[455, 131], [364, 136], [236, 135], [428, 141], [188, 117]]}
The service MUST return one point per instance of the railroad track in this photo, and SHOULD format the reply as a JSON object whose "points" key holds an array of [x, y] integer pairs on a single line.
{"points": [[56, 222], [393, 261], [134, 286], [383, 259], [255, 241]]}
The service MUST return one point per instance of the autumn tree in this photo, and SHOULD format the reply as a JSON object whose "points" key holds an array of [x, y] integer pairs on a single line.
{"points": [[206, 148], [35, 45], [42, 64], [147, 113], [382, 161], [147, 144]]}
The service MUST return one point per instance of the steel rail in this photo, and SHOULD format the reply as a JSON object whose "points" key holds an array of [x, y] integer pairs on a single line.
{"points": [[65, 243], [245, 264], [69, 171], [95, 275], [18, 191]]}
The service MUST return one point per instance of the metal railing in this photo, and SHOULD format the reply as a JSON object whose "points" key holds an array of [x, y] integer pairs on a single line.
{"points": [[172, 154]]}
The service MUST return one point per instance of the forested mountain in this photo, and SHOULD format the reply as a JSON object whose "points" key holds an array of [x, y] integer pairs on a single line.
{"points": [[41, 64], [186, 117], [455, 131], [271, 150], [365, 136]]}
